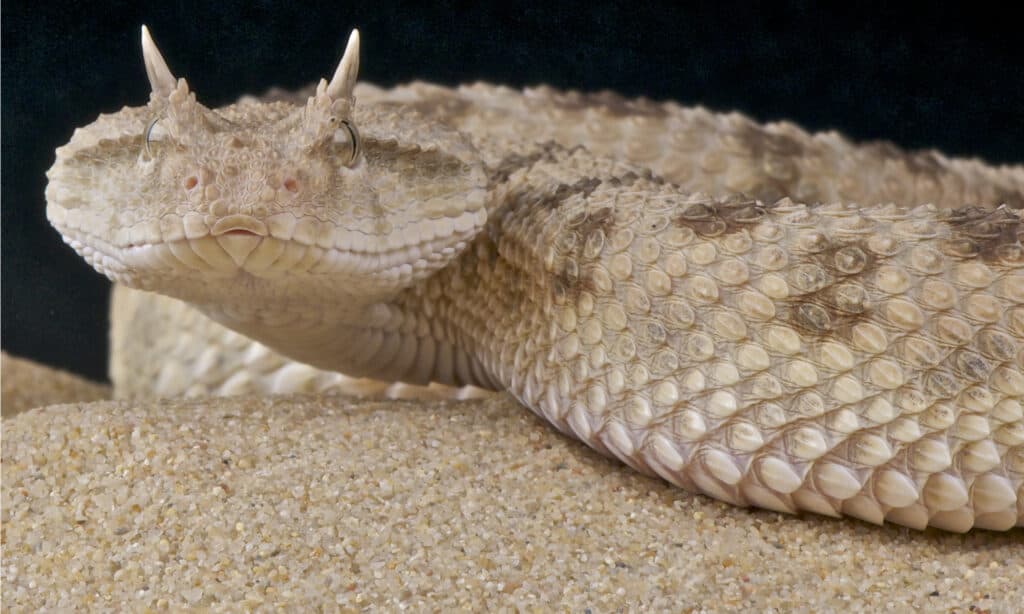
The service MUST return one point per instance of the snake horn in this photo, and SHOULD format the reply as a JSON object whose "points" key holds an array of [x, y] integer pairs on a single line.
{"points": [[160, 78], [344, 79]]}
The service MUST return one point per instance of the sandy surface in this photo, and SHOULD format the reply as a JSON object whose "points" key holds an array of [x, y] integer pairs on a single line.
{"points": [[25, 384], [303, 503]]}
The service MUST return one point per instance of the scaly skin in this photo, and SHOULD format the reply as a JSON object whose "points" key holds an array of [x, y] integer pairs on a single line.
{"points": [[839, 359]]}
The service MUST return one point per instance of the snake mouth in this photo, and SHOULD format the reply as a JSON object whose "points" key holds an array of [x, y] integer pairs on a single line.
{"points": [[182, 251], [243, 252], [239, 225]]}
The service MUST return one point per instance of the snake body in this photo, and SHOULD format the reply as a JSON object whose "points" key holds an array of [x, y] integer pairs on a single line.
{"points": [[769, 317]]}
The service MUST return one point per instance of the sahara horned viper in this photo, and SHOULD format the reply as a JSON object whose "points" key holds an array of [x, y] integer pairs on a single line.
{"points": [[766, 316]]}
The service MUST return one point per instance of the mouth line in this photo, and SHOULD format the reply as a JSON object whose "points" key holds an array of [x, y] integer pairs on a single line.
{"points": [[242, 252], [416, 243], [244, 245], [238, 224]]}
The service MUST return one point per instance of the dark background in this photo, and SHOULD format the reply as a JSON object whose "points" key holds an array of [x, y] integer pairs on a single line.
{"points": [[950, 78]]}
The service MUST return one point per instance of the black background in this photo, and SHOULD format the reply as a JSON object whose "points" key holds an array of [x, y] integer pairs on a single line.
{"points": [[950, 78]]}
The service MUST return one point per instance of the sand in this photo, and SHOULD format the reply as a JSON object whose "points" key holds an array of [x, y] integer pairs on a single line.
{"points": [[331, 504]]}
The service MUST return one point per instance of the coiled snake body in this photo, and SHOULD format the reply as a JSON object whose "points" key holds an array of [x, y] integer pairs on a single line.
{"points": [[768, 317]]}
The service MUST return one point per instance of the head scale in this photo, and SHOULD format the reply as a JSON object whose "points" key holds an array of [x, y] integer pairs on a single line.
{"points": [[265, 202]]}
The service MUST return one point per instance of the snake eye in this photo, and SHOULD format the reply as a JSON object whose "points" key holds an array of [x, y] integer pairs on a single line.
{"points": [[347, 139], [154, 134]]}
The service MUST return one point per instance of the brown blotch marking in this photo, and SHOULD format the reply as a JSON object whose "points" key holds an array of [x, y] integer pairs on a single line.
{"points": [[996, 345], [512, 163], [922, 163], [927, 163], [993, 235], [1011, 198], [711, 218], [570, 280], [412, 163], [632, 177], [917, 162], [576, 277], [589, 222], [584, 186], [834, 308], [393, 152], [759, 143], [565, 191], [939, 384]]}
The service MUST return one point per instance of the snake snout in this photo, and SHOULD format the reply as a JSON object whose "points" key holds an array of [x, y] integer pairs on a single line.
{"points": [[239, 235], [239, 225]]}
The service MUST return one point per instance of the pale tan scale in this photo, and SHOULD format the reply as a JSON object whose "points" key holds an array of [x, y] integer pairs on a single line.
{"points": [[835, 356], [1008, 411], [870, 338], [847, 389], [905, 430], [1011, 435], [836, 481], [726, 374], [722, 467], [665, 393], [744, 437], [806, 443], [930, 456], [939, 417], [893, 488], [756, 305], [904, 314], [732, 272], [694, 381], [778, 475], [782, 339], [871, 450], [689, 426], [701, 254], [980, 456], [774, 286]]}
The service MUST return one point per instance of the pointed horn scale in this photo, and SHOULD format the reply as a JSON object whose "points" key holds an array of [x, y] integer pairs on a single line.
{"points": [[160, 78], [344, 80]]}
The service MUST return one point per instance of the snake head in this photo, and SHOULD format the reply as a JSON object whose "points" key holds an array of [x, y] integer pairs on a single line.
{"points": [[256, 202]]}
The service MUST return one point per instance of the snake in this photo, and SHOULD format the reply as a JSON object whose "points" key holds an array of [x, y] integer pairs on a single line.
{"points": [[769, 317]]}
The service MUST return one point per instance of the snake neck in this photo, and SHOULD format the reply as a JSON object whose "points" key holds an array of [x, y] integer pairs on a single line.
{"points": [[479, 320], [464, 325]]}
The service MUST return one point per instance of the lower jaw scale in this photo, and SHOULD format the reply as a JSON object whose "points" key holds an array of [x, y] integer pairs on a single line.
{"points": [[263, 257], [260, 256]]}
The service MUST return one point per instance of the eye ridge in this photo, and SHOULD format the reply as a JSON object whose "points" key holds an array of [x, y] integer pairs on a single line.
{"points": [[354, 135], [149, 134]]}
